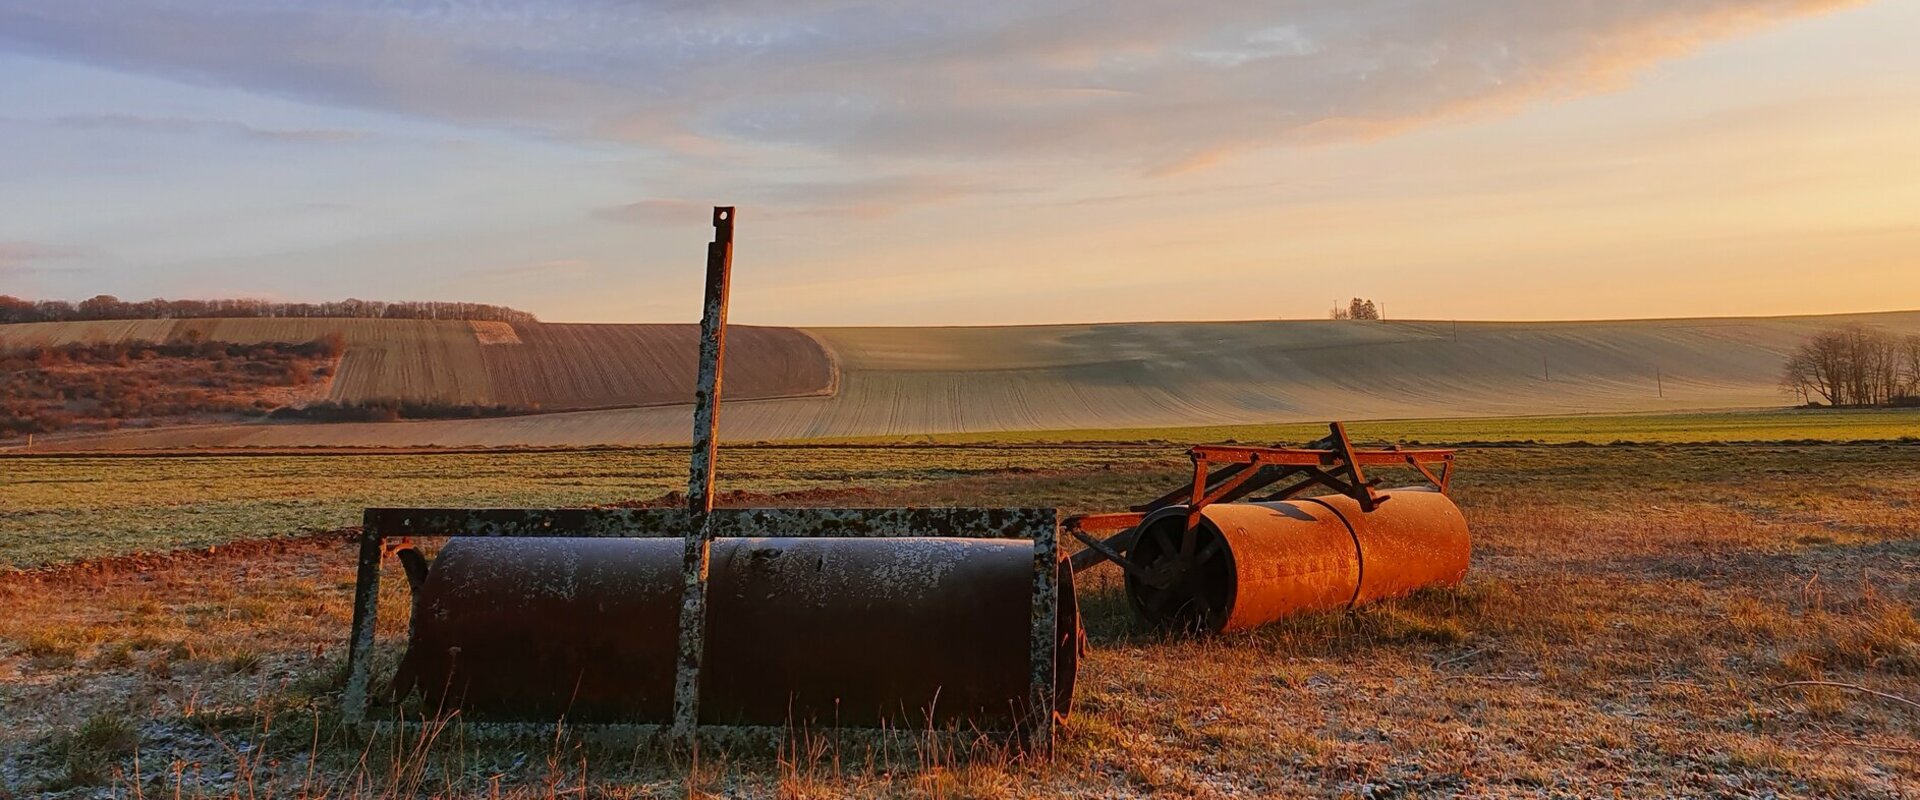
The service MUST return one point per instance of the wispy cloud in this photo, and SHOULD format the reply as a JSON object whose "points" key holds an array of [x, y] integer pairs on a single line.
{"points": [[656, 212], [22, 259], [130, 122], [1131, 84], [552, 267], [855, 198], [868, 198]]}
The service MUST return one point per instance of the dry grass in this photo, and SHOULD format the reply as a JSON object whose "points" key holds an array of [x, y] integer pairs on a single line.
{"points": [[1631, 620]]}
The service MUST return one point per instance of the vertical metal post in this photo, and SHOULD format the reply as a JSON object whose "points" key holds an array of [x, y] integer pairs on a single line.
{"points": [[706, 430], [366, 619], [1046, 634]]}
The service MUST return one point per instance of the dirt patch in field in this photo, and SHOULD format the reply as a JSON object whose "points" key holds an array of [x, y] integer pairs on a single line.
{"points": [[494, 332], [150, 563]]}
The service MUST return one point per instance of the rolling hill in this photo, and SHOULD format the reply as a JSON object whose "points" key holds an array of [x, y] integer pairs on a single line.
{"points": [[791, 384], [549, 367]]}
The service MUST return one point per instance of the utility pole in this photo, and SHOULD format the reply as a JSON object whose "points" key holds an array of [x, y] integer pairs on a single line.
{"points": [[1659, 382]]}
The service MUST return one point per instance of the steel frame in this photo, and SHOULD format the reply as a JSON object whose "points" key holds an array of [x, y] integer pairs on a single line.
{"points": [[1040, 525]]}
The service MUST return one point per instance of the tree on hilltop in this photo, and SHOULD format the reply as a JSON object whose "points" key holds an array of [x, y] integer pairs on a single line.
{"points": [[1357, 308]]}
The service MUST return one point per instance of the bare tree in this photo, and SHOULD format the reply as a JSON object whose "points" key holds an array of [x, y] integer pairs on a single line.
{"points": [[1801, 378], [1910, 366], [1851, 366]]}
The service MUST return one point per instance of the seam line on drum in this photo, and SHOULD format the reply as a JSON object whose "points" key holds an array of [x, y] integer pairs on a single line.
{"points": [[1359, 555]]}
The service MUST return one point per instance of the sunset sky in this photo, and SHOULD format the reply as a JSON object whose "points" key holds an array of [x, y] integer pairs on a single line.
{"points": [[970, 163]]}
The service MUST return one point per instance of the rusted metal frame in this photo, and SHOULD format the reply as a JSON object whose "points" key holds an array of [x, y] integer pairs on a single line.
{"points": [[706, 442], [1174, 497], [1044, 630], [1221, 491], [1439, 481], [1338, 484], [1314, 475], [1196, 500], [1362, 490], [1124, 528], [965, 523], [366, 613], [1039, 525], [1102, 524], [1269, 477], [1240, 480], [1295, 457], [1101, 551], [1239, 458]]}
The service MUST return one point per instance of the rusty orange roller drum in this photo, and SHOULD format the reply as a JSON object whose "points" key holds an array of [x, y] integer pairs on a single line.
{"points": [[810, 632], [1253, 563]]}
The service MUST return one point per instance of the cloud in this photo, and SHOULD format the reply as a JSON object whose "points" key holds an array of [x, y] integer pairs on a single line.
{"points": [[857, 198], [15, 252], [22, 259], [657, 212], [129, 122], [867, 198], [558, 266], [1140, 85]]}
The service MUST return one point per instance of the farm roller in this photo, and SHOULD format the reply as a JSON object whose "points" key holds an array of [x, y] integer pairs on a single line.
{"points": [[694, 623], [1204, 557]]}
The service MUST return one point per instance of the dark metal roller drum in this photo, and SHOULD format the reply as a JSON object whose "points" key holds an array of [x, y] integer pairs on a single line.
{"points": [[811, 632]]}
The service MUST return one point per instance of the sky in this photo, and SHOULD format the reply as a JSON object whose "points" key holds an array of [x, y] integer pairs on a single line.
{"points": [[989, 162]]}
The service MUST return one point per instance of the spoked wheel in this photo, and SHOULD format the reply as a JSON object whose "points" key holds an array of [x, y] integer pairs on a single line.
{"points": [[1180, 587]]}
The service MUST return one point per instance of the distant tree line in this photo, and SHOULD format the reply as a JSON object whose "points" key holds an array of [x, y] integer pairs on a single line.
{"points": [[1855, 366], [1357, 308], [106, 306]]}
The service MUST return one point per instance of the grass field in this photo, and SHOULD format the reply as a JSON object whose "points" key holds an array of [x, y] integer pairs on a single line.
{"points": [[1639, 621], [56, 508], [1752, 425]]}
